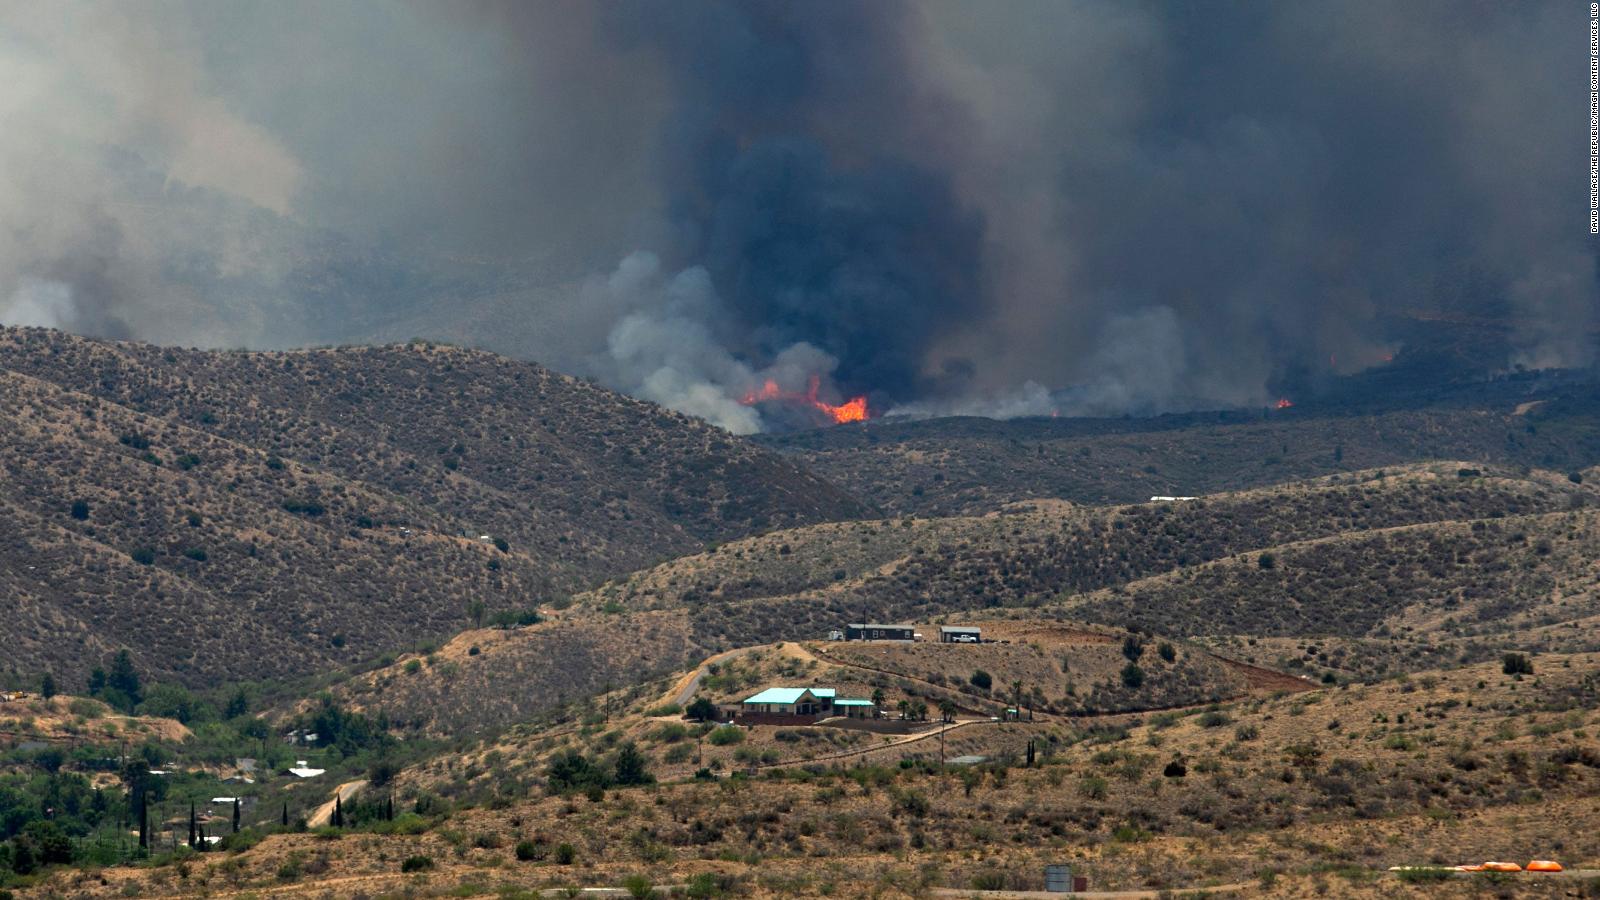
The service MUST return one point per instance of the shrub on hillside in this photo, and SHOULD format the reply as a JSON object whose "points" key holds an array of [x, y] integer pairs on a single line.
{"points": [[701, 710], [725, 735], [1516, 664]]}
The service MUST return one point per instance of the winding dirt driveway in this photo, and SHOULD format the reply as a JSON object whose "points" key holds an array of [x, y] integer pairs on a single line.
{"points": [[323, 814]]}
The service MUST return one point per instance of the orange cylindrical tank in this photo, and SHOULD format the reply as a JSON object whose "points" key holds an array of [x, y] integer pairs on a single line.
{"points": [[1544, 865], [1492, 866]]}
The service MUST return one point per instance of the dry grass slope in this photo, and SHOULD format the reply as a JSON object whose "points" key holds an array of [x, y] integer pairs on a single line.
{"points": [[261, 514], [966, 466], [1437, 769]]}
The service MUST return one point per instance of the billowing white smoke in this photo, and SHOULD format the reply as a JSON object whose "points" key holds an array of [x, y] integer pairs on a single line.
{"points": [[39, 303], [1139, 365], [1030, 399], [667, 347]]}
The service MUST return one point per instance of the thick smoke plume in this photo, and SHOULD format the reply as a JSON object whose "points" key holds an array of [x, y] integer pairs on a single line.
{"points": [[1040, 207]]}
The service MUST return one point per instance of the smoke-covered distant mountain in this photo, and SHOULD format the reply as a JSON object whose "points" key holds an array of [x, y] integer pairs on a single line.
{"points": [[1086, 207]]}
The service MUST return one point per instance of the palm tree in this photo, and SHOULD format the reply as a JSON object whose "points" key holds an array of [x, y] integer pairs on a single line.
{"points": [[905, 709], [947, 710], [877, 697]]}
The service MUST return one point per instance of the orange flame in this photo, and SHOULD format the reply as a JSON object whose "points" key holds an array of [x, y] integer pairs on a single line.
{"points": [[1284, 403], [853, 410]]}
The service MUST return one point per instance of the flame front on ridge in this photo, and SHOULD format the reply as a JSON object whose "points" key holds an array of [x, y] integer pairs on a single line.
{"points": [[852, 410]]}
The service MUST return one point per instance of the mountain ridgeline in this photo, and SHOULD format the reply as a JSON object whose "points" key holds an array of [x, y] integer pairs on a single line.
{"points": [[232, 515], [242, 515]]}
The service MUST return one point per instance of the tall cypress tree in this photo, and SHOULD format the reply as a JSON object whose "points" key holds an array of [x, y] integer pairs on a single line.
{"points": [[192, 831], [236, 815], [144, 821], [338, 811], [286, 814]]}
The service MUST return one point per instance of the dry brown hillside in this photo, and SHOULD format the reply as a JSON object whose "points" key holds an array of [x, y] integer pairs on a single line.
{"points": [[963, 466], [803, 582], [1037, 559], [1311, 795], [1392, 600], [238, 515]]}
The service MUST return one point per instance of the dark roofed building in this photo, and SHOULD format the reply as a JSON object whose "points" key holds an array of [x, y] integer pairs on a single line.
{"points": [[875, 632]]}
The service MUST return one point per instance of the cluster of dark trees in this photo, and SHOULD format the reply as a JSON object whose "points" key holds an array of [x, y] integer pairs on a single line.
{"points": [[572, 772], [121, 687]]}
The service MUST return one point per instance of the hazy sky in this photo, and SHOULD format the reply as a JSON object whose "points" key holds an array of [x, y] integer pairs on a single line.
{"points": [[1012, 207]]}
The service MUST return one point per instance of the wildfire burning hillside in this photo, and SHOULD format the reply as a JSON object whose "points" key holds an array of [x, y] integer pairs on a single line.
{"points": [[852, 410]]}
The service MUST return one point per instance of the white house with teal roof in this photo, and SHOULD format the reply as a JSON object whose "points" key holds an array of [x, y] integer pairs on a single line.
{"points": [[785, 701], [794, 704]]}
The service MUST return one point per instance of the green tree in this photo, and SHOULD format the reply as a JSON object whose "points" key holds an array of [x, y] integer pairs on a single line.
{"points": [[982, 680], [24, 856], [47, 686], [1516, 664], [1132, 648], [1132, 676], [123, 677], [238, 705], [170, 701], [572, 771], [631, 766], [475, 611], [1167, 651], [701, 710], [80, 510]]}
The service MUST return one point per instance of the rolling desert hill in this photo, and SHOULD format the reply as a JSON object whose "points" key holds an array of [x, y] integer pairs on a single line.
{"points": [[1054, 560], [230, 515], [1436, 593], [1304, 795], [1032, 664], [965, 466], [1033, 554]]}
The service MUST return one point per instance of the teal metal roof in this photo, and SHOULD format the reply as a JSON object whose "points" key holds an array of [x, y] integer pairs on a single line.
{"points": [[849, 701], [777, 695], [790, 695]]}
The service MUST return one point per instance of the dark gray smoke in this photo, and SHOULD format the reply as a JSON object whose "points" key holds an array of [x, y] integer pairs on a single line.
{"points": [[1016, 208], [807, 167]]}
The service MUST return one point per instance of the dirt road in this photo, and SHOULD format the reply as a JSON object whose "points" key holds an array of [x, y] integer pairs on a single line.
{"points": [[1047, 895], [684, 690], [323, 814]]}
